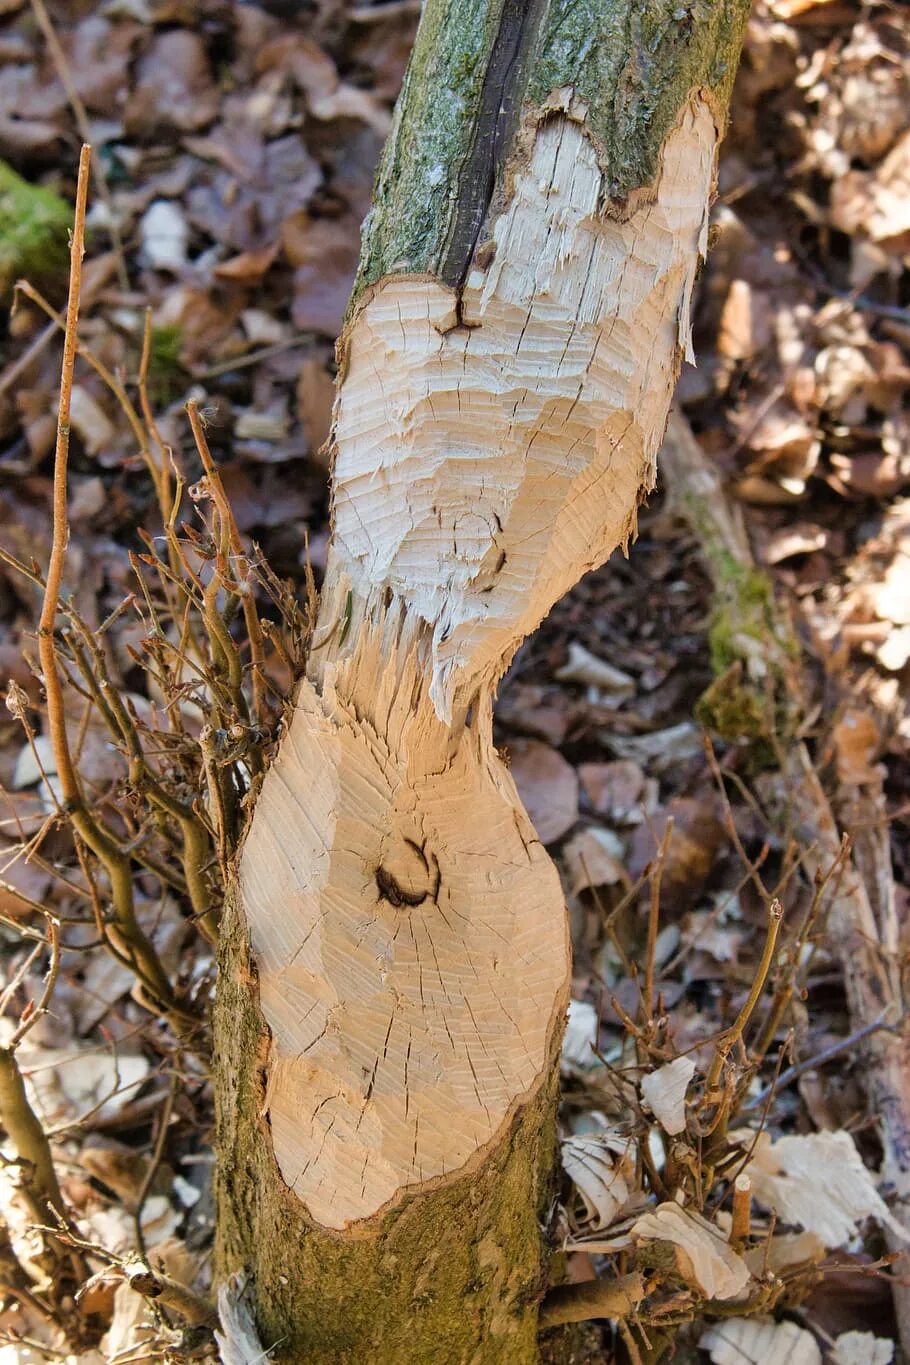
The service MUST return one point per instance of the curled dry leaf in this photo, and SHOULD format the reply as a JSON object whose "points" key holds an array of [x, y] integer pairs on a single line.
{"points": [[580, 1037], [660, 750], [115, 1228], [760, 1341], [786, 1251], [817, 1181], [64, 1084], [704, 1257], [803, 538], [602, 1169], [664, 1092]]}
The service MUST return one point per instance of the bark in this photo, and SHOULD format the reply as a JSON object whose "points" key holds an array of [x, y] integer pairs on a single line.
{"points": [[395, 957]]}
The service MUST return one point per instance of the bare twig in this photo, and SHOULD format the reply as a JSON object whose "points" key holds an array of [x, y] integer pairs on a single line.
{"points": [[133, 943], [27, 1135], [84, 126]]}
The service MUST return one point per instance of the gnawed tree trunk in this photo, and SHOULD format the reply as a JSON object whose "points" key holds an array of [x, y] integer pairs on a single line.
{"points": [[395, 962]]}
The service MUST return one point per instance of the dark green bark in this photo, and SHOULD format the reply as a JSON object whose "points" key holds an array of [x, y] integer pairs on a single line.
{"points": [[483, 70]]}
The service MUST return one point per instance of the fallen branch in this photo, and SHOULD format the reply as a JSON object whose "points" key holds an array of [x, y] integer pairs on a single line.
{"points": [[592, 1299]]}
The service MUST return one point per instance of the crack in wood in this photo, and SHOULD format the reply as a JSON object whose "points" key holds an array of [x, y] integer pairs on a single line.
{"points": [[500, 105]]}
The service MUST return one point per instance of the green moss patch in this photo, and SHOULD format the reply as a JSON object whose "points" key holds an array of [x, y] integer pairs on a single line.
{"points": [[34, 231]]}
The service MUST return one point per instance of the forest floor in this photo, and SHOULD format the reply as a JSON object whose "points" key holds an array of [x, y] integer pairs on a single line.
{"points": [[648, 723]]}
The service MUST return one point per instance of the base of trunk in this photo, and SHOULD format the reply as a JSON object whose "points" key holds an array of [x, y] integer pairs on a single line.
{"points": [[451, 1275]]}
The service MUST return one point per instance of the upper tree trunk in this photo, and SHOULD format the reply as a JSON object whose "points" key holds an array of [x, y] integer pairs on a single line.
{"points": [[396, 962]]}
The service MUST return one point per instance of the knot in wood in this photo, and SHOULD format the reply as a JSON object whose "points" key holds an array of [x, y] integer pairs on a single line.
{"points": [[408, 875]]}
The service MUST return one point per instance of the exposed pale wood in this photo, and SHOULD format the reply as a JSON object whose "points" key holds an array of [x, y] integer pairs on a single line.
{"points": [[407, 925]]}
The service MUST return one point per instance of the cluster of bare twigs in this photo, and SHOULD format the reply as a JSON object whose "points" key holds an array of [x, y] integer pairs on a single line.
{"points": [[213, 626], [649, 1288]]}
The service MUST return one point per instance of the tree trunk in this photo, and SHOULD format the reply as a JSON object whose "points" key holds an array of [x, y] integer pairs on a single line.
{"points": [[395, 958]]}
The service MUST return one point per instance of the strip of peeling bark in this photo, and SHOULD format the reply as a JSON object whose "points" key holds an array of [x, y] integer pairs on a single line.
{"points": [[395, 955]]}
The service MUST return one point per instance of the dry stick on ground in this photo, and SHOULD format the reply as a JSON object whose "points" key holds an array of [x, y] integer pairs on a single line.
{"points": [[386, 1090], [125, 930], [864, 942]]}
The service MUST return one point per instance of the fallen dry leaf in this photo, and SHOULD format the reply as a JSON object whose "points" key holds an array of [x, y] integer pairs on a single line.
{"points": [[876, 203], [892, 602], [249, 267], [325, 252], [580, 1037], [697, 837], [547, 785], [817, 1181], [594, 857], [237, 1341], [66, 1083], [664, 1092], [705, 1258], [802, 538], [315, 398], [786, 1251], [856, 742], [90, 421], [894, 652], [174, 90], [862, 1348], [615, 789], [584, 667], [760, 1341], [745, 322], [165, 236]]}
